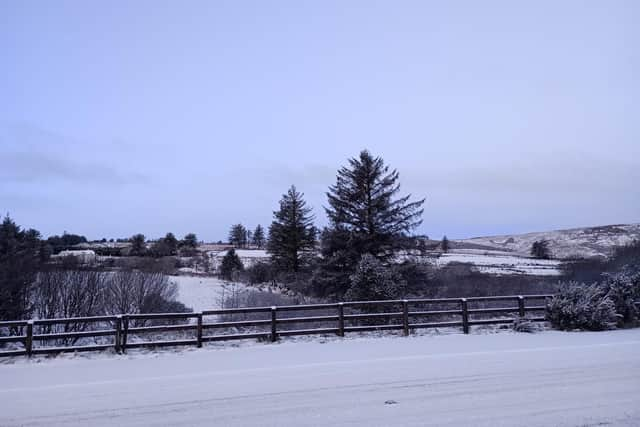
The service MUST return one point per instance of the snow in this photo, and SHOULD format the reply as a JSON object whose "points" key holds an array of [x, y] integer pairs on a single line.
{"points": [[248, 256], [493, 263], [503, 379], [564, 244], [202, 293]]}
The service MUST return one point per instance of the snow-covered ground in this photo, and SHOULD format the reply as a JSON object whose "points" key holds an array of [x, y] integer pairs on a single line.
{"points": [[202, 293], [576, 242], [504, 379], [495, 263]]}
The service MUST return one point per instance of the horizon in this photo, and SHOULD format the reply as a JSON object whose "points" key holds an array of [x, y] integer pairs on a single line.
{"points": [[162, 117]]}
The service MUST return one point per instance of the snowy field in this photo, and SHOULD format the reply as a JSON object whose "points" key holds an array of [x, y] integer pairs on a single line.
{"points": [[202, 293], [492, 262], [503, 379]]}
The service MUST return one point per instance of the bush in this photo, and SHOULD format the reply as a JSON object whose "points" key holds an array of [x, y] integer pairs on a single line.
{"points": [[374, 281], [623, 289], [523, 324], [581, 306]]}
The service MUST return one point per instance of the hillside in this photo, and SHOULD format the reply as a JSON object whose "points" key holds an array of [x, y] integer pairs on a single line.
{"points": [[585, 242]]}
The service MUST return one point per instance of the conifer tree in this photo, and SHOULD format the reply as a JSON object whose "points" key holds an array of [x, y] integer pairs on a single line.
{"points": [[291, 234], [444, 245], [366, 215], [231, 265], [258, 237], [238, 236], [21, 255]]}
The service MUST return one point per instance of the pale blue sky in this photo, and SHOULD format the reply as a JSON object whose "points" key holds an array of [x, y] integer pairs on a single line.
{"points": [[146, 116]]}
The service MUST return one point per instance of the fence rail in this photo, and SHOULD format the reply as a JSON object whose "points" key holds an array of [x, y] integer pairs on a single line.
{"points": [[330, 318]]}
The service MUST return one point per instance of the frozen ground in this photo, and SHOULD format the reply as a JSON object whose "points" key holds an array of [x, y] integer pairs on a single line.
{"points": [[504, 263], [504, 379], [202, 293], [571, 243]]}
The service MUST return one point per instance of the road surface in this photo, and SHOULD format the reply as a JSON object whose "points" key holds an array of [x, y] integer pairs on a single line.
{"points": [[502, 379]]}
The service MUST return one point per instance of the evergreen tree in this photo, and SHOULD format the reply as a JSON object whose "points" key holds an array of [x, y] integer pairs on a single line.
{"points": [[231, 265], [190, 241], [189, 245], [291, 234], [238, 236], [21, 254], [373, 281], [444, 245], [540, 249], [258, 237], [138, 245], [172, 243], [366, 216]]}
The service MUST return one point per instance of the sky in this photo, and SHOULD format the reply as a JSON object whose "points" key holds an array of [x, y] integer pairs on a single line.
{"points": [[150, 117]]}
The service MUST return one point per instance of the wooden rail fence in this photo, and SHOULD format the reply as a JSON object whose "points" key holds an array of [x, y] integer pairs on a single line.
{"points": [[267, 323]]}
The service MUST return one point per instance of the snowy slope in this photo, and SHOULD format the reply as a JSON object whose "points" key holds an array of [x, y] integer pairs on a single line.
{"points": [[501, 263], [505, 379], [577, 242]]}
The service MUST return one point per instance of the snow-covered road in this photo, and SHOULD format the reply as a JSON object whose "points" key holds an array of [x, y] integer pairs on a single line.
{"points": [[505, 379]]}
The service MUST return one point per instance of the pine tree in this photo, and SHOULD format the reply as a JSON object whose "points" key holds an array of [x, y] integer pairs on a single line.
{"points": [[172, 243], [540, 249], [189, 245], [444, 245], [21, 254], [190, 241], [291, 234], [231, 264], [258, 236], [238, 236], [366, 216]]}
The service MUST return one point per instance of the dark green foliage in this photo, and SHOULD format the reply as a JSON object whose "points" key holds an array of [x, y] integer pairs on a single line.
{"points": [[260, 272], [624, 289], [238, 236], [259, 237], [292, 235], [188, 245], [66, 241], [230, 265], [167, 246], [190, 241], [444, 245], [540, 249], [138, 245], [21, 255], [581, 306], [374, 281], [366, 216]]}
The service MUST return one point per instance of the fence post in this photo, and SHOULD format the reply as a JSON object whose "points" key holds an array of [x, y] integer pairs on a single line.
{"points": [[465, 315], [117, 338], [125, 331], [405, 317], [199, 331], [28, 341], [340, 319], [274, 336], [521, 305]]}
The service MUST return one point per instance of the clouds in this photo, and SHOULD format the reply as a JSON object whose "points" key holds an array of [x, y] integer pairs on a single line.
{"points": [[31, 155]]}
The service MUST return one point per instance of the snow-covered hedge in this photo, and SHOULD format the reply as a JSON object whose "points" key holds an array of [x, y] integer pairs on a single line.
{"points": [[581, 306]]}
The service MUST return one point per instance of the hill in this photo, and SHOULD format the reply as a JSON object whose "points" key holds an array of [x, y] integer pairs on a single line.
{"points": [[585, 242]]}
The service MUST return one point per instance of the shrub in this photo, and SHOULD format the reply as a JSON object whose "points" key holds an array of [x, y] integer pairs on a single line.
{"points": [[523, 324], [581, 306], [623, 288]]}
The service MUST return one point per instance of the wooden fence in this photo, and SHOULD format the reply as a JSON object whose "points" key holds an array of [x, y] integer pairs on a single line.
{"points": [[266, 323]]}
